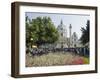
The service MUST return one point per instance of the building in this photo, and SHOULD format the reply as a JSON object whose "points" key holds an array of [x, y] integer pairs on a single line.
{"points": [[64, 41], [75, 42]]}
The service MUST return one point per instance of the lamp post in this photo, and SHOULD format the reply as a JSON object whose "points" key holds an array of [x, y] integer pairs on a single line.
{"points": [[31, 42]]}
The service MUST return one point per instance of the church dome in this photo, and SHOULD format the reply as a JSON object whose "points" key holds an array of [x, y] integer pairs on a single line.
{"points": [[62, 29], [61, 26]]}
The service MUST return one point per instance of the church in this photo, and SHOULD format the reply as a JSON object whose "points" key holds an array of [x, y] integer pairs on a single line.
{"points": [[64, 41]]}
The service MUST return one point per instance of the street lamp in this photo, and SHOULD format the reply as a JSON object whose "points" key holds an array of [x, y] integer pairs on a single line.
{"points": [[31, 42]]}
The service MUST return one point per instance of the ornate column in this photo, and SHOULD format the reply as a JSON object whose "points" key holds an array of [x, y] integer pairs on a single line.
{"points": [[70, 31]]}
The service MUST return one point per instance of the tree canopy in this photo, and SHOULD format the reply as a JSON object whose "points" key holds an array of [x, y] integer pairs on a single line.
{"points": [[85, 33], [40, 31]]}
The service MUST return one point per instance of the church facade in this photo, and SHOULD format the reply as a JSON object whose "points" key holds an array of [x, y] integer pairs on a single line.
{"points": [[64, 41]]}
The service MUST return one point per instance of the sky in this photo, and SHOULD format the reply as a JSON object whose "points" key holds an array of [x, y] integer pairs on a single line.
{"points": [[76, 20]]}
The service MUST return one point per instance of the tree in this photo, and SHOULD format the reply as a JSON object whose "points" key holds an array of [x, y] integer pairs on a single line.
{"points": [[85, 33], [28, 36], [40, 31]]}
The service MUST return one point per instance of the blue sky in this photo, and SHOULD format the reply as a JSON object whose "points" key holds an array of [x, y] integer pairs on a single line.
{"points": [[77, 21]]}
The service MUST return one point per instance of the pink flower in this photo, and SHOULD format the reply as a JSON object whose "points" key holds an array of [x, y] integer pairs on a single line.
{"points": [[78, 61]]}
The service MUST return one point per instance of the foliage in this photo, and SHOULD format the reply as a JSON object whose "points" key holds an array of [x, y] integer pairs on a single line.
{"points": [[85, 33], [40, 31]]}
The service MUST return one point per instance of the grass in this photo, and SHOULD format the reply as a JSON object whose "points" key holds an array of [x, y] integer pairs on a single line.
{"points": [[52, 59]]}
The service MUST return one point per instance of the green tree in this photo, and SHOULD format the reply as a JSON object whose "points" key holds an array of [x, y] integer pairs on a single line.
{"points": [[40, 31], [85, 33], [28, 36]]}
